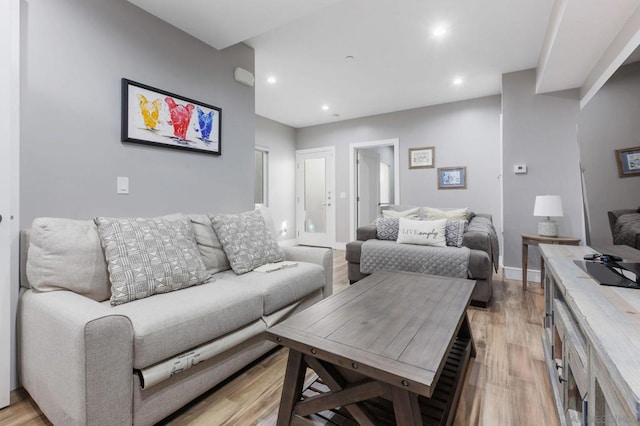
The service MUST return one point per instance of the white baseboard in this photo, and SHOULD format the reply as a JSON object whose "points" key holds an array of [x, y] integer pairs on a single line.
{"points": [[516, 274], [294, 242], [288, 243]]}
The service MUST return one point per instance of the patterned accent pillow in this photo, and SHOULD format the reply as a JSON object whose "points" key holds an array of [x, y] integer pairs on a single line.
{"points": [[387, 228], [454, 233], [149, 256], [246, 240]]}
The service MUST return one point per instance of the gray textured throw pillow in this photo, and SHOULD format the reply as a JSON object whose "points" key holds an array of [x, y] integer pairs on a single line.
{"points": [[149, 256], [387, 228], [454, 232], [246, 240]]}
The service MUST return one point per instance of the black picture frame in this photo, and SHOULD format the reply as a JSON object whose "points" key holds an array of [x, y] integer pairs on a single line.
{"points": [[152, 116]]}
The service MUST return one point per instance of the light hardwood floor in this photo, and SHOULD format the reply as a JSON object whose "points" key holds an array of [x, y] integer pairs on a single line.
{"points": [[506, 384]]}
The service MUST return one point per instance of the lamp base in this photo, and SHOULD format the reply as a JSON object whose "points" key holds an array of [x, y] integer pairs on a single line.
{"points": [[548, 228]]}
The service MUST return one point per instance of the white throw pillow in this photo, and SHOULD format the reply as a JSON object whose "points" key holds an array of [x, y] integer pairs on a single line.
{"points": [[422, 232], [406, 213], [453, 214]]}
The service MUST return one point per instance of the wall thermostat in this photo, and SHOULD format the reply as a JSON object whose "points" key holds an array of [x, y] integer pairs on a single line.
{"points": [[520, 169]]}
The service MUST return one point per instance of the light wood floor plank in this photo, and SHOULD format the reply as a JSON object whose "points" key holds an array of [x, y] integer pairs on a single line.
{"points": [[506, 384]]}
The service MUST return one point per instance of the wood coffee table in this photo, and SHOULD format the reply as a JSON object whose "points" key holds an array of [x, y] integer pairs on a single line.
{"points": [[392, 348]]}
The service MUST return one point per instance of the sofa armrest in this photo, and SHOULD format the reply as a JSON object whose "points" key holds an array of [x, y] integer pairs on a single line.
{"points": [[477, 240], [615, 214], [76, 358], [367, 232], [319, 256]]}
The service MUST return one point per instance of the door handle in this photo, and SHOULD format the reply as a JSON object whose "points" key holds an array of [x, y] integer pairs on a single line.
{"points": [[0, 218]]}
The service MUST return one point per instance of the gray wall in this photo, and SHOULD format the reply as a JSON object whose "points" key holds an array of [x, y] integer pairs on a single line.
{"points": [[74, 54], [464, 134], [281, 142], [539, 131], [610, 121]]}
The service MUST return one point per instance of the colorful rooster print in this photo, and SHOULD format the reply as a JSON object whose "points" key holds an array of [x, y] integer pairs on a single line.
{"points": [[205, 120], [150, 111], [180, 117]]}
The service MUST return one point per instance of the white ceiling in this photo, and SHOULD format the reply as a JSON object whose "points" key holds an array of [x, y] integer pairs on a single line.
{"points": [[398, 64]]}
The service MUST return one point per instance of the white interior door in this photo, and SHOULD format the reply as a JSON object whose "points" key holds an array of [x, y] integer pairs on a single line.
{"points": [[9, 122], [368, 186], [315, 197]]}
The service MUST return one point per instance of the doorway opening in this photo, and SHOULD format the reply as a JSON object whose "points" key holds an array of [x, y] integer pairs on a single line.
{"points": [[374, 175]]}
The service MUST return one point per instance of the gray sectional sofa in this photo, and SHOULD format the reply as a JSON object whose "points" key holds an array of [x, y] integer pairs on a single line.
{"points": [[87, 362], [625, 227], [479, 237]]}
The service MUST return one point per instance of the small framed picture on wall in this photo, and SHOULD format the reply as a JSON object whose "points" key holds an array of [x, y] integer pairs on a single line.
{"points": [[422, 158], [452, 178], [628, 160]]}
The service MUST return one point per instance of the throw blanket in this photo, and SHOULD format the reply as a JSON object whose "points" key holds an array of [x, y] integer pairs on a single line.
{"points": [[627, 230], [483, 224], [445, 261]]}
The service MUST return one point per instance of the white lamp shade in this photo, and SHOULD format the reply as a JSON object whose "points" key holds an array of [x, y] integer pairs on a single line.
{"points": [[548, 205]]}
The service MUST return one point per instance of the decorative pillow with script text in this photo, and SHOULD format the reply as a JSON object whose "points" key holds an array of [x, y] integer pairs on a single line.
{"points": [[422, 232]]}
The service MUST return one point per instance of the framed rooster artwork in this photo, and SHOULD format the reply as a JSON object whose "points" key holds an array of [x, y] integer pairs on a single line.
{"points": [[156, 117]]}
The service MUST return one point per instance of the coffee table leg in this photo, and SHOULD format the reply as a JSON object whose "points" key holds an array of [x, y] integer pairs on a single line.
{"points": [[292, 387], [406, 407]]}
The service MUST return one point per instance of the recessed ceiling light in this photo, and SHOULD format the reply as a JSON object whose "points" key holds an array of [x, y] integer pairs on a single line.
{"points": [[349, 57], [271, 80], [325, 107], [439, 31], [457, 81]]}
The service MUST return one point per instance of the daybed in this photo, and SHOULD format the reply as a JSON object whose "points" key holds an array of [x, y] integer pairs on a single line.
{"points": [[476, 256], [625, 227], [88, 361]]}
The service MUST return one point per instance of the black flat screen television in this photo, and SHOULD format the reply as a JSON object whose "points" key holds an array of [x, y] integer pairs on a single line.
{"points": [[606, 274]]}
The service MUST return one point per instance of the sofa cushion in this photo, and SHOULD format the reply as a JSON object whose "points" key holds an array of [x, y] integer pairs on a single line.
{"points": [[452, 214], [208, 244], [168, 324], [412, 212], [422, 232], [149, 256], [280, 288], [66, 254], [246, 240]]}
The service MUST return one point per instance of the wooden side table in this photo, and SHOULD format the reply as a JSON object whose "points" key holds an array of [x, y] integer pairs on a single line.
{"points": [[534, 240]]}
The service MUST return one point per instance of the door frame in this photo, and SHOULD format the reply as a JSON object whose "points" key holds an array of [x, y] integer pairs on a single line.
{"points": [[331, 231], [9, 192], [395, 143]]}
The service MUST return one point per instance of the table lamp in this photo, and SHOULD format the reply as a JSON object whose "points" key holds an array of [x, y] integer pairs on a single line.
{"points": [[548, 206]]}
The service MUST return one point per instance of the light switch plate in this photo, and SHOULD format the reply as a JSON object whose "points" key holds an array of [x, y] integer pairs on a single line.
{"points": [[122, 185]]}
